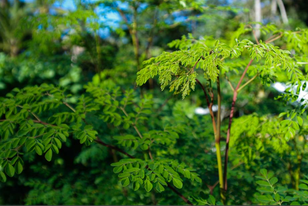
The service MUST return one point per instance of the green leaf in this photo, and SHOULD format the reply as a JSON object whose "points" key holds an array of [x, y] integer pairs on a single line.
{"points": [[159, 187], [264, 198], [49, 134], [274, 180], [10, 170], [212, 200], [29, 144], [148, 185], [3, 177], [116, 164], [263, 172], [263, 183], [304, 181], [19, 167], [277, 197], [295, 203], [55, 149], [38, 150], [62, 137], [124, 175], [299, 120], [303, 187], [117, 169], [187, 174], [142, 173], [288, 199], [58, 143], [83, 139], [265, 189], [177, 183], [137, 186], [48, 155], [270, 175], [132, 170], [125, 182]]}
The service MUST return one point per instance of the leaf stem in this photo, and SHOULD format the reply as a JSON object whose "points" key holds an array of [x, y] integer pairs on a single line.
{"points": [[250, 80], [136, 129], [69, 106], [230, 83], [36, 117], [273, 38], [113, 147]]}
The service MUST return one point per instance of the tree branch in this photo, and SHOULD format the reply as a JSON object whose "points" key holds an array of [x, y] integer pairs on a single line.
{"points": [[273, 38], [179, 194], [36, 117], [250, 80], [162, 106], [69, 106], [113, 147], [136, 129]]}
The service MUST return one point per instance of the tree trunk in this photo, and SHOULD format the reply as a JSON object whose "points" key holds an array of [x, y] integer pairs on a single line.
{"points": [[283, 12], [258, 17]]}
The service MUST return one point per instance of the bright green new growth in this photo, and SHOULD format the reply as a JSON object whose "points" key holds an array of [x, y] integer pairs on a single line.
{"points": [[180, 68]]}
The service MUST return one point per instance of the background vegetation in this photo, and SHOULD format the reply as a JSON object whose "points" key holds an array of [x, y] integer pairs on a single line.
{"points": [[97, 48]]}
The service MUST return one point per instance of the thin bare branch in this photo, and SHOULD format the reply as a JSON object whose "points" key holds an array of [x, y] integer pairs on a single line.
{"points": [[250, 80], [229, 83], [273, 38], [230, 123]]}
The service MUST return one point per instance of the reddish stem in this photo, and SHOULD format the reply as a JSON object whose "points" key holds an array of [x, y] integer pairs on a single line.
{"points": [[209, 104], [230, 123]]}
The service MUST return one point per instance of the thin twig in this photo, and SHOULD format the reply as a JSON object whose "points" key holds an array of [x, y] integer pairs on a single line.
{"points": [[250, 80], [211, 188], [36, 117], [113, 147], [230, 83], [179, 194], [69, 106], [230, 122], [150, 154], [193, 68], [162, 106], [254, 34], [136, 129], [273, 39]]}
